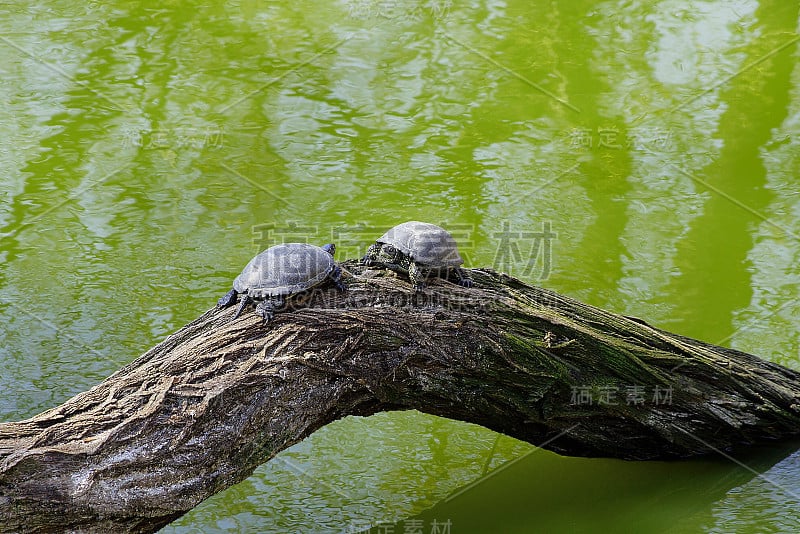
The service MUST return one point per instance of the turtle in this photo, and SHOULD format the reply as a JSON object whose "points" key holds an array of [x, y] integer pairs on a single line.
{"points": [[286, 271], [419, 250]]}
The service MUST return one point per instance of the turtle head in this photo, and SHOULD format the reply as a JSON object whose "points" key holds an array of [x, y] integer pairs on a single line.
{"points": [[330, 248]]}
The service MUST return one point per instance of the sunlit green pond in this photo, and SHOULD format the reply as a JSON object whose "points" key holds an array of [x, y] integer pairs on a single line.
{"points": [[642, 157]]}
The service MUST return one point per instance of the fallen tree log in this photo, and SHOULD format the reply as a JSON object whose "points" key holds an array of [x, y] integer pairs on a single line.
{"points": [[201, 410]]}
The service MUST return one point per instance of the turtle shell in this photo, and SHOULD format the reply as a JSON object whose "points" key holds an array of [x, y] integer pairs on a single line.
{"points": [[284, 270], [426, 244]]}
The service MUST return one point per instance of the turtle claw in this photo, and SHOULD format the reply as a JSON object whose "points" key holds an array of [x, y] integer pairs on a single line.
{"points": [[266, 308], [371, 255], [460, 277], [463, 279]]}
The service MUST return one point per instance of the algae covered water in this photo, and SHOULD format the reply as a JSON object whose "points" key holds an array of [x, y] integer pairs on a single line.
{"points": [[641, 158]]}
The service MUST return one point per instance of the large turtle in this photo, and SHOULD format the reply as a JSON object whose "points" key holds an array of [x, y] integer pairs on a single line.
{"points": [[282, 272], [420, 250]]}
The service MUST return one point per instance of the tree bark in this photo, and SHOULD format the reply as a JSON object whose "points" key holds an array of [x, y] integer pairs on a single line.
{"points": [[201, 410]]}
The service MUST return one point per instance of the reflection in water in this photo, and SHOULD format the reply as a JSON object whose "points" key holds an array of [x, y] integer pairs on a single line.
{"points": [[769, 502], [648, 79], [768, 327], [357, 472], [755, 102], [544, 493], [603, 145]]}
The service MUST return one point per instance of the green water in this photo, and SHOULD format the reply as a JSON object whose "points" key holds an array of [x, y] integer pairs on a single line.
{"points": [[642, 158]]}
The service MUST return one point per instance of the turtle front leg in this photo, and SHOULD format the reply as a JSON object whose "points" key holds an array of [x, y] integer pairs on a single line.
{"points": [[228, 300], [372, 255], [336, 278], [246, 299], [416, 276], [267, 307]]}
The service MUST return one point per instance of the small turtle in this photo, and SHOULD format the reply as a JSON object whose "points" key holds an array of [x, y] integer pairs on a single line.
{"points": [[282, 272], [420, 250]]}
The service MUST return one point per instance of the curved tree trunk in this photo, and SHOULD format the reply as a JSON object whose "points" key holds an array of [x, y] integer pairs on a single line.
{"points": [[201, 410]]}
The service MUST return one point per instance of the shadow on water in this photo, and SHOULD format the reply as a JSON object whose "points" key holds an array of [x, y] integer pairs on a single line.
{"points": [[550, 493], [712, 257]]}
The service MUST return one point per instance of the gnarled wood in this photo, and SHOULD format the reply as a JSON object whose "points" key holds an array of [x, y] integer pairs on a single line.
{"points": [[201, 410]]}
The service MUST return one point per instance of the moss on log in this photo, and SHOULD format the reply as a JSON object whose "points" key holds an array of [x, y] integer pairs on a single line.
{"points": [[201, 410]]}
